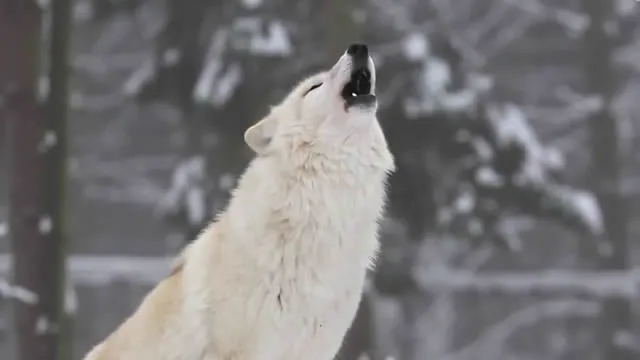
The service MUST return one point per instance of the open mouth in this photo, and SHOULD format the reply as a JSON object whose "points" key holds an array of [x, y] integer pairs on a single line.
{"points": [[358, 90]]}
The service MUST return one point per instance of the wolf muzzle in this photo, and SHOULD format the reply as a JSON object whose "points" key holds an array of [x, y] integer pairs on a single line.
{"points": [[358, 90]]}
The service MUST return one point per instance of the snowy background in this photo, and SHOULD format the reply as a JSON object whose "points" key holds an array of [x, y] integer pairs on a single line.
{"points": [[511, 233]]}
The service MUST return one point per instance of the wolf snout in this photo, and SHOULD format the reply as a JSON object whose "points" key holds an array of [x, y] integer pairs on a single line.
{"points": [[358, 89], [358, 51]]}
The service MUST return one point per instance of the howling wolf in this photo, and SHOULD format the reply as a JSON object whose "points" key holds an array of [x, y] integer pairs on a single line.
{"points": [[279, 274]]}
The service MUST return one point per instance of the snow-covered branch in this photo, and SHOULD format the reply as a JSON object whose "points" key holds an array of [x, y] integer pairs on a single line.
{"points": [[141, 76], [591, 283], [101, 270], [10, 291], [187, 191], [577, 108], [123, 194]]}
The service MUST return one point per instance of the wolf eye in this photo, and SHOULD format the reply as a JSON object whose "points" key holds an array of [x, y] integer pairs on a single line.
{"points": [[313, 88]]}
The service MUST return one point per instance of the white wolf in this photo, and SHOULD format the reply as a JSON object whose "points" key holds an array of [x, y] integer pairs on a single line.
{"points": [[280, 273]]}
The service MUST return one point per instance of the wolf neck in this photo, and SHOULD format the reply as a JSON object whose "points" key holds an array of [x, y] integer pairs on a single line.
{"points": [[325, 210]]}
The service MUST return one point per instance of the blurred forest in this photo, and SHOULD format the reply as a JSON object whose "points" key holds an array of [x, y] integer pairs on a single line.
{"points": [[513, 219]]}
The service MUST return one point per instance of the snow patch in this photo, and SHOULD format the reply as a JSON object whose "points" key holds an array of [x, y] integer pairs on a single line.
{"points": [[509, 230], [482, 148], [45, 326], [627, 339], [187, 190], [171, 57], [251, 4], [553, 158], [191, 171], [416, 46], [196, 206], [249, 35], [226, 85], [434, 77], [587, 207], [213, 66], [512, 126], [45, 224], [43, 4], [625, 7], [465, 202], [204, 87], [139, 77], [44, 87], [70, 298], [489, 177], [49, 140], [83, 11], [575, 23]]}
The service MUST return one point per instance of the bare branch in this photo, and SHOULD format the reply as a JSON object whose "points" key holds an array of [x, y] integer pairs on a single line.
{"points": [[506, 36], [105, 64], [84, 102], [490, 344], [574, 22], [478, 30]]}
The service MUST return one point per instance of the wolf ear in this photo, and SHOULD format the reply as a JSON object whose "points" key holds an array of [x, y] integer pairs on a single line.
{"points": [[259, 136]]}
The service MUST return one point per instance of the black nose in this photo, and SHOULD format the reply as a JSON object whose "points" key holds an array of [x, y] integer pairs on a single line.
{"points": [[358, 50]]}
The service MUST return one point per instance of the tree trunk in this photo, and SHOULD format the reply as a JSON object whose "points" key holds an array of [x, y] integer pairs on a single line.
{"points": [[183, 33], [599, 71], [36, 171]]}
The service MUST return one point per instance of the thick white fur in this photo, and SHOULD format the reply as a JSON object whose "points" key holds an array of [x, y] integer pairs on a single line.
{"points": [[279, 274]]}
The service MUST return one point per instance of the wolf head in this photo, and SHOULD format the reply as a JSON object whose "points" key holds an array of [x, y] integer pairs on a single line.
{"points": [[327, 113]]}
